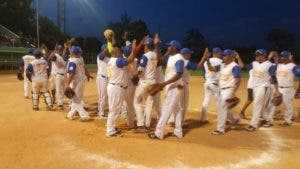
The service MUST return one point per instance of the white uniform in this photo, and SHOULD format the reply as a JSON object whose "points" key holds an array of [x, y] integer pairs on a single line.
{"points": [[76, 67], [173, 102], [285, 76], [148, 66], [58, 72], [211, 87], [102, 82], [38, 69], [115, 90], [263, 91], [227, 84], [27, 84]]}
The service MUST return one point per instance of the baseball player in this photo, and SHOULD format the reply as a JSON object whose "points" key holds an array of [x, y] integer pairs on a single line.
{"points": [[37, 72], [28, 58], [75, 81], [58, 72], [263, 76], [147, 74], [229, 81], [285, 73], [116, 71], [174, 92], [102, 81]]}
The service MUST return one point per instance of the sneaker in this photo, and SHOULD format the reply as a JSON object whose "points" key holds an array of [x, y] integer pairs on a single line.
{"points": [[242, 115], [103, 116], [267, 124], [217, 132], [153, 136], [286, 124], [139, 129], [250, 128], [116, 134], [61, 107], [36, 109], [174, 135]]}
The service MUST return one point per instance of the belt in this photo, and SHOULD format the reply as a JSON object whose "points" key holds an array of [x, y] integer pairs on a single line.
{"points": [[226, 88], [286, 86], [216, 84], [105, 77], [123, 87], [60, 74]]}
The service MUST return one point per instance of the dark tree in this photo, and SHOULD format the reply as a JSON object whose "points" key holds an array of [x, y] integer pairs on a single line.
{"points": [[281, 40]]}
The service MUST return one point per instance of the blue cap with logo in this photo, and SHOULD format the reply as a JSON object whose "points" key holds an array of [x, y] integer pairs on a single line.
{"points": [[285, 53], [261, 52], [185, 51], [149, 41], [126, 49], [228, 52], [174, 43], [217, 50]]}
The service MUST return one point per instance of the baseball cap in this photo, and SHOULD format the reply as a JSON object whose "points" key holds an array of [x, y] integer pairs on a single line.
{"points": [[174, 43], [185, 51], [30, 50], [149, 41], [217, 50], [76, 49], [37, 52], [261, 52], [285, 53], [126, 49], [103, 46], [228, 52]]}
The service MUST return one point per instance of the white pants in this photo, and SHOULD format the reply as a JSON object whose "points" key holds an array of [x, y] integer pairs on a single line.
{"points": [[171, 104], [128, 100], [76, 101], [210, 90], [27, 86], [288, 98], [59, 87], [262, 105], [102, 92], [140, 93], [222, 108], [115, 102]]}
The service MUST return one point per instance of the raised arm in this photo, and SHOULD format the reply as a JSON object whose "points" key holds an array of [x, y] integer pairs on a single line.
{"points": [[205, 56], [239, 59]]}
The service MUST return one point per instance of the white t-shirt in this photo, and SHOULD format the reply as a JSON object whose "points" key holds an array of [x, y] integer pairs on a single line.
{"points": [[261, 75], [102, 65]]}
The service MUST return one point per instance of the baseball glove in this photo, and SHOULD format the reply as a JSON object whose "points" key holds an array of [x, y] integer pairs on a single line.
{"points": [[277, 100], [20, 76], [135, 80], [297, 94], [108, 34], [155, 88], [232, 102], [69, 93]]}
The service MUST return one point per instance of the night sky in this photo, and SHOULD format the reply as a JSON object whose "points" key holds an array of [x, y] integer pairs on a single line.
{"points": [[230, 22]]}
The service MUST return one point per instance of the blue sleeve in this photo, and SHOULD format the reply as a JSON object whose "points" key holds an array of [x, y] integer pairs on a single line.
{"points": [[166, 58], [249, 66], [218, 68], [143, 61], [296, 71], [236, 71], [191, 66], [179, 65], [29, 68], [71, 68], [272, 70], [101, 56], [121, 62]]}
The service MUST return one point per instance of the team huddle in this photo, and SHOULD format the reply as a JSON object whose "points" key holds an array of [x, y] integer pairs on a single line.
{"points": [[131, 85]]}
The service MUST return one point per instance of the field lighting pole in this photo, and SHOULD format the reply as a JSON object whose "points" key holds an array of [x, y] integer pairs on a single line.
{"points": [[37, 23]]}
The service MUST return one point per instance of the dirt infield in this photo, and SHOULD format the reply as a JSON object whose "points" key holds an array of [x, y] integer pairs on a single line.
{"points": [[42, 140]]}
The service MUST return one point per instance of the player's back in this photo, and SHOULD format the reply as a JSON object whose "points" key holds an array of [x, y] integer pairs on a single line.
{"points": [[150, 69], [116, 75], [284, 74], [212, 76], [40, 68]]}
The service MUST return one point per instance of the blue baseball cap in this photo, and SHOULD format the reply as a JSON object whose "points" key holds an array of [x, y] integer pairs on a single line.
{"points": [[30, 50], [261, 52], [185, 51], [149, 41], [126, 49], [174, 43], [37, 52], [103, 46], [75, 49], [285, 53], [228, 52], [217, 50]]}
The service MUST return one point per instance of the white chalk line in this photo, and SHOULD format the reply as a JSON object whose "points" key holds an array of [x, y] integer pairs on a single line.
{"points": [[270, 156]]}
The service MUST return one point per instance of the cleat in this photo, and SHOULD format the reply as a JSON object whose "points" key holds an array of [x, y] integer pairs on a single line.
{"points": [[217, 132], [250, 128], [153, 136], [286, 124], [116, 134], [267, 124], [139, 129]]}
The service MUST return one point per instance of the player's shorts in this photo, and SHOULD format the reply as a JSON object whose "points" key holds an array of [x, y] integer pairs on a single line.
{"points": [[51, 82], [250, 94]]}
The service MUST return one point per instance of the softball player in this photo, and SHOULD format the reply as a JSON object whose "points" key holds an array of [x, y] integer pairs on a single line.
{"points": [[116, 71], [174, 92], [147, 72], [75, 80], [24, 64], [263, 75], [285, 73], [37, 72], [102, 81]]}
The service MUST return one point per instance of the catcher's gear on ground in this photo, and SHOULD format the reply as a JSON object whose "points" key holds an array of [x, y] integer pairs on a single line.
{"points": [[277, 100], [69, 93], [135, 80], [232, 102], [297, 94], [155, 88], [20, 76]]}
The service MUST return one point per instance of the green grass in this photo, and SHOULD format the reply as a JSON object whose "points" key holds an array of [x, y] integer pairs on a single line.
{"points": [[12, 50]]}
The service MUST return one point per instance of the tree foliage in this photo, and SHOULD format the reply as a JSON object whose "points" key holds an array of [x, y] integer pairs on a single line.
{"points": [[281, 40]]}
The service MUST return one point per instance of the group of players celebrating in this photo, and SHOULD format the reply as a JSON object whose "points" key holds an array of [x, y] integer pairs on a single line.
{"points": [[126, 83]]}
